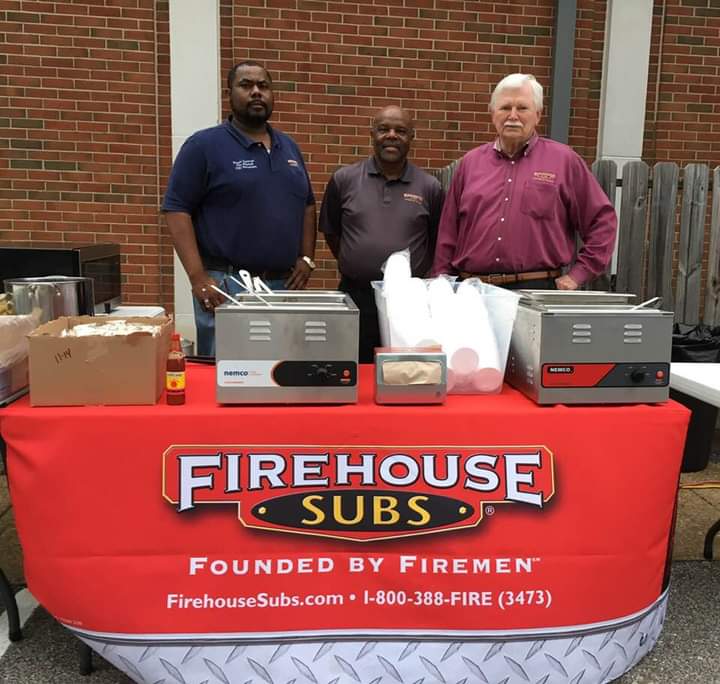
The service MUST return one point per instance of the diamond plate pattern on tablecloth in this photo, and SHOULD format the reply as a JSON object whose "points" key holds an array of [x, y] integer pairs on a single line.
{"points": [[594, 658]]}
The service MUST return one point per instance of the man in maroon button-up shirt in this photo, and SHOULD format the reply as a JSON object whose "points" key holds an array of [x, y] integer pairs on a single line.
{"points": [[515, 205]]}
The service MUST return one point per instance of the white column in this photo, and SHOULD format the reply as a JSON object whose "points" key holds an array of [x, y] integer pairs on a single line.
{"points": [[195, 96], [624, 84]]}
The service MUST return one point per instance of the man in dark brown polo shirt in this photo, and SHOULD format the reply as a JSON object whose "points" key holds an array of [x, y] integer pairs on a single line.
{"points": [[378, 206]]}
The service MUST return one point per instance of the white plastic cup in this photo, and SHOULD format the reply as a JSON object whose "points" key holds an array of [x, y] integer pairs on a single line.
{"points": [[397, 269]]}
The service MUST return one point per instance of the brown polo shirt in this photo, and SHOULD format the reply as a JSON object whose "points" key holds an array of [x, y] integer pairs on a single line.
{"points": [[375, 217]]}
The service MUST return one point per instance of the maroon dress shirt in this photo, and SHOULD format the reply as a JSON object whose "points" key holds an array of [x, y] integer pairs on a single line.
{"points": [[504, 215]]}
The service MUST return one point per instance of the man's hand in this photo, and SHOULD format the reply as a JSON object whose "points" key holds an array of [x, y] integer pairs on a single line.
{"points": [[202, 291], [299, 276], [565, 282]]}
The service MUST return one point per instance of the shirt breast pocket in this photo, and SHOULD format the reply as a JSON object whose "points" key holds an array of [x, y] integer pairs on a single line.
{"points": [[539, 200], [296, 181]]}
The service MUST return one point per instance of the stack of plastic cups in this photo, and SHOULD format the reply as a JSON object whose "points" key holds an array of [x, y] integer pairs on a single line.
{"points": [[397, 270], [442, 304], [476, 355], [406, 300], [408, 314]]}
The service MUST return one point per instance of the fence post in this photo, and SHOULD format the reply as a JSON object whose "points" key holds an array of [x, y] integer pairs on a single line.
{"points": [[711, 314], [633, 216], [445, 174], [662, 232], [605, 171], [692, 224]]}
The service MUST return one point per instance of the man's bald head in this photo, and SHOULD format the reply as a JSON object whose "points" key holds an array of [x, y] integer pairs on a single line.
{"points": [[392, 133], [397, 112]]}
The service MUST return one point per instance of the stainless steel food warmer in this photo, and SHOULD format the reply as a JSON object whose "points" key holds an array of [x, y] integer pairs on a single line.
{"points": [[287, 347], [576, 347]]}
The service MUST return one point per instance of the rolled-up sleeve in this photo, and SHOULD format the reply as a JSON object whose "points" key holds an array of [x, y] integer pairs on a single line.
{"points": [[595, 221]]}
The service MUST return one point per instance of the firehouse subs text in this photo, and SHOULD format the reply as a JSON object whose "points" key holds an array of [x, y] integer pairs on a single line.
{"points": [[199, 566]]}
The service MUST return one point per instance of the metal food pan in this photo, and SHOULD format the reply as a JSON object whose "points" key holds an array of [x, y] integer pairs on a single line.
{"points": [[576, 298]]}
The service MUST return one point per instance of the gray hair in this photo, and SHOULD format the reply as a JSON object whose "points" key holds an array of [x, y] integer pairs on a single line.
{"points": [[518, 81]]}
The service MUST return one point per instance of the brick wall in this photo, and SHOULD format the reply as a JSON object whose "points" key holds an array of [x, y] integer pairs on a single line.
{"points": [[84, 98], [587, 78], [84, 129], [682, 122]]}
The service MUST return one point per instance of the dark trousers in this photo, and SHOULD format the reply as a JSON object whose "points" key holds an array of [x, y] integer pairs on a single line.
{"points": [[364, 297]]}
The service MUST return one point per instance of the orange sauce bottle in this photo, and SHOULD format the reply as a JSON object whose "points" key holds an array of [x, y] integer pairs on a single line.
{"points": [[175, 373]]}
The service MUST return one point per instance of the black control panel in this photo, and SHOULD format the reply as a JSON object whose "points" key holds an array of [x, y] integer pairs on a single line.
{"points": [[637, 375], [315, 374]]}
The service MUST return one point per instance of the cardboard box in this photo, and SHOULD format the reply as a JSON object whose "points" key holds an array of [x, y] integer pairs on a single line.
{"points": [[120, 369]]}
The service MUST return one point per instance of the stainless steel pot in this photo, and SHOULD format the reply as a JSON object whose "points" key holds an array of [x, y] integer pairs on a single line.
{"points": [[54, 296]]}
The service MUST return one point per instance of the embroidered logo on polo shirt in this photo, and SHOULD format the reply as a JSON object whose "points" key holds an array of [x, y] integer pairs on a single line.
{"points": [[244, 164], [292, 162], [410, 197], [544, 176]]}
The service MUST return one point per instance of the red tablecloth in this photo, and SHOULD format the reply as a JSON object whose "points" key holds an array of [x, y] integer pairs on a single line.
{"points": [[560, 515]]}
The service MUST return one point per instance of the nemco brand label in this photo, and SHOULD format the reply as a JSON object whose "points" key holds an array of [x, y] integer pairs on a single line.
{"points": [[359, 493]]}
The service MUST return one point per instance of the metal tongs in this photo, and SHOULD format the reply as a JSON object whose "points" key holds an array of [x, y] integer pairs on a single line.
{"points": [[252, 286], [646, 303]]}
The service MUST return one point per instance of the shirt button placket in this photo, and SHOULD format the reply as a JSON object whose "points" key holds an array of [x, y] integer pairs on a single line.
{"points": [[504, 206]]}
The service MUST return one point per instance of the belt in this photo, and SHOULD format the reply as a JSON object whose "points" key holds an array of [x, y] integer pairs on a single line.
{"points": [[509, 278], [214, 264]]}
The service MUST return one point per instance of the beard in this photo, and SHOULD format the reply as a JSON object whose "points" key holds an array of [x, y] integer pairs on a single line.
{"points": [[253, 117]]}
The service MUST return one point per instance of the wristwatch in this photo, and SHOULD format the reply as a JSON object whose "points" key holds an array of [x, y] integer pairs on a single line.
{"points": [[309, 262]]}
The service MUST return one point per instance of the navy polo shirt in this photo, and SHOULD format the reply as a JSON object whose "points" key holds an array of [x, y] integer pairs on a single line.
{"points": [[247, 206]]}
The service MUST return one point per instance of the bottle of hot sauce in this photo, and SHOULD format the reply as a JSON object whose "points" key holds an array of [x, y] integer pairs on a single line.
{"points": [[175, 373]]}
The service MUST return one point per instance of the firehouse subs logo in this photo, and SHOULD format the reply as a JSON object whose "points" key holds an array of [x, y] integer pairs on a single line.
{"points": [[359, 493]]}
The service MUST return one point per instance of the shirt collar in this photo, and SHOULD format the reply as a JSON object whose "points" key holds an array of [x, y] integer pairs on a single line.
{"points": [[373, 170], [524, 150], [245, 139]]}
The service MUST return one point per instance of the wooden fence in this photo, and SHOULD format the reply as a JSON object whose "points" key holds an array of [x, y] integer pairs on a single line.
{"points": [[653, 230]]}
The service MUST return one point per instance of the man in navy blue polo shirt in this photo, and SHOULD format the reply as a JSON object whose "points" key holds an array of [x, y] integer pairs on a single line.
{"points": [[239, 197]]}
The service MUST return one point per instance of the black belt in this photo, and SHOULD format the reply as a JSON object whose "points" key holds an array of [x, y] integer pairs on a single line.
{"points": [[509, 278], [214, 264]]}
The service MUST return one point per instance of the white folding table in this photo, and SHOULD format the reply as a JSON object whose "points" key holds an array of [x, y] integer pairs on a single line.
{"points": [[700, 381]]}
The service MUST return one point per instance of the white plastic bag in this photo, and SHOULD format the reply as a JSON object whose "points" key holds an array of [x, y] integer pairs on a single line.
{"points": [[13, 337]]}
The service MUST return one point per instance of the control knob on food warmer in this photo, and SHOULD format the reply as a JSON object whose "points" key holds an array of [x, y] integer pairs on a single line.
{"points": [[638, 375], [322, 374]]}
